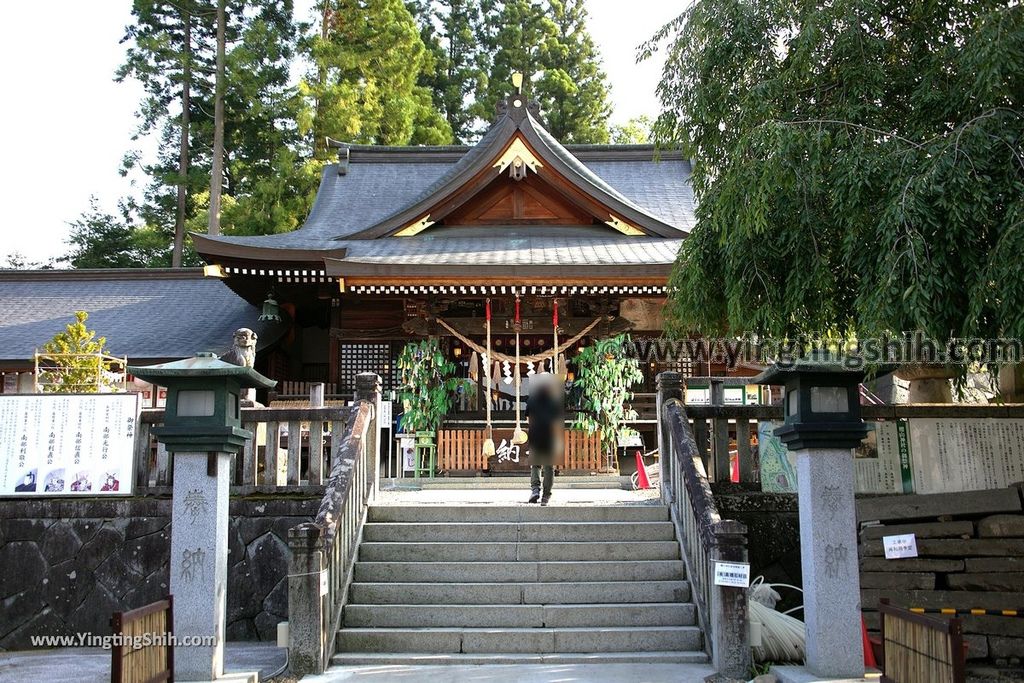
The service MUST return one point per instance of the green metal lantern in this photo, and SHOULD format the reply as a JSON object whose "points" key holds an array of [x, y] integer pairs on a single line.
{"points": [[203, 409]]}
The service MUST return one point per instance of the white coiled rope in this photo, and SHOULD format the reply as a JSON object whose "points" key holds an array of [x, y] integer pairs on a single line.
{"points": [[782, 636]]}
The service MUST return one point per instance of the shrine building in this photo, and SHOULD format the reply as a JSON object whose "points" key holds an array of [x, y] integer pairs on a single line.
{"points": [[408, 242]]}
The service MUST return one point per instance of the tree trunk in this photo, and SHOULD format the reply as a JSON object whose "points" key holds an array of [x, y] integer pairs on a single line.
{"points": [[186, 81], [217, 172], [320, 150]]}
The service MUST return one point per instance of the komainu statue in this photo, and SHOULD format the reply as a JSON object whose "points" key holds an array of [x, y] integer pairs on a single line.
{"points": [[243, 348]]}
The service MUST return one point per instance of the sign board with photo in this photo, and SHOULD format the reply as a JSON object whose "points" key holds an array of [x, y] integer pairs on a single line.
{"points": [[881, 462], [778, 472], [67, 444]]}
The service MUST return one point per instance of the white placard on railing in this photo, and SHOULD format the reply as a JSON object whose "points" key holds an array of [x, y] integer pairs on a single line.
{"points": [[67, 444], [735, 574]]}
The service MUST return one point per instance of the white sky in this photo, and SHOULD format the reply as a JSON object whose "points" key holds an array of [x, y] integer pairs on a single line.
{"points": [[66, 124]]}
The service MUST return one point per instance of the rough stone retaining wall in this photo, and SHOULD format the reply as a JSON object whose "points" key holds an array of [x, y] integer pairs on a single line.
{"points": [[971, 555], [67, 564], [773, 534], [971, 548]]}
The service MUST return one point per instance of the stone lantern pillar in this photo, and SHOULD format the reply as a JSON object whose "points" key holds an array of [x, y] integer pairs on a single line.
{"points": [[822, 426], [202, 428]]}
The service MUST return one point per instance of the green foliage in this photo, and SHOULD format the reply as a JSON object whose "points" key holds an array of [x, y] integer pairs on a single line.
{"points": [[102, 240], [858, 166], [366, 60], [73, 360], [427, 388], [605, 374], [573, 90], [512, 33], [458, 65], [260, 129], [636, 131], [549, 43]]}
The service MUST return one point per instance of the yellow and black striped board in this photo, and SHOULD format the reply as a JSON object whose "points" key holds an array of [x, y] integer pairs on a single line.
{"points": [[972, 612]]}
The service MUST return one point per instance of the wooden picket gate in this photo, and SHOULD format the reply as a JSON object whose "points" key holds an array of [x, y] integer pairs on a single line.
{"points": [[461, 450], [917, 648], [132, 660]]}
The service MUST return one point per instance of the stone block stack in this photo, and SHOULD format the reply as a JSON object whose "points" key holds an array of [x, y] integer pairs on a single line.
{"points": [[970, 556]]}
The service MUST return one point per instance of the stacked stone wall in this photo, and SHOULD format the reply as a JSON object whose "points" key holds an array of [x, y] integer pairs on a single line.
{"points": [[66, 565]]}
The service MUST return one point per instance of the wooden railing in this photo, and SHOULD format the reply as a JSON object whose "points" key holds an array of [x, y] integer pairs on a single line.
{"points": [[324, 551], [723, 432], [705, 538], [292, 447]]}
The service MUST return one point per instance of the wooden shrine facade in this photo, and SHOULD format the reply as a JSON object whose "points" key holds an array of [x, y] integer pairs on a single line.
{"points": [[403, 243]]}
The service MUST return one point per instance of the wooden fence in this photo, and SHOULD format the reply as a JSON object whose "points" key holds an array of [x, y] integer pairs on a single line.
{"points": [[920, 649], [292, 447], [142, 651], [461, 450]]}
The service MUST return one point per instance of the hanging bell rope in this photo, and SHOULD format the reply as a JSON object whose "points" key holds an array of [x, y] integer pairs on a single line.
{"points": [[554, 346], [489, 442], [518, 435], [535, 358]]}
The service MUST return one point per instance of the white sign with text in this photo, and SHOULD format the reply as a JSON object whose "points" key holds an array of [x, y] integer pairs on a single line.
{"points": [[901, 545], [67, 444], [736, 574]]}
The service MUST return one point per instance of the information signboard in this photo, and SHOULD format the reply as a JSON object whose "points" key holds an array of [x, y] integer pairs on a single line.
{"points": [[67, 444], [962, 454]]}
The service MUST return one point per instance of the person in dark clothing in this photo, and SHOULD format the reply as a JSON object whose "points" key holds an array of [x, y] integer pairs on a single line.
{"points": [[545, 412]]}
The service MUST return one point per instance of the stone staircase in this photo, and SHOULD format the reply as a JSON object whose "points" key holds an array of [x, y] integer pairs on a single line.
{"points": [[519, 584]]}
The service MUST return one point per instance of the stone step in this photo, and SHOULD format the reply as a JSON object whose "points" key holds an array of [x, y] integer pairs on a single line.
{"points": [[584, 592], [520, 640], [455, 659], [518, 552], [519, 572], [517, 485], [517, 513], [519, 616], [521, 532]]}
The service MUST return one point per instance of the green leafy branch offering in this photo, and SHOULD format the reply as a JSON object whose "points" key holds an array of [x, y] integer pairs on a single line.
{"points": [[605, 375], [427, 388], [75, 360]]}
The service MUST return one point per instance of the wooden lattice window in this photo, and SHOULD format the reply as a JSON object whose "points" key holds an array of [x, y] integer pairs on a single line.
{"points": [[357, 357]]}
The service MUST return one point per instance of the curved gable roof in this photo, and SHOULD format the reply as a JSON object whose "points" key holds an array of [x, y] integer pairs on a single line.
{"points": [[554, 158]]}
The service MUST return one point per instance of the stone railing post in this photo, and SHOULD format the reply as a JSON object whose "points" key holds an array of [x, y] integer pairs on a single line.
{"points": [[669, 386], [729, 619], [368, 388], [316, 395], [720, 435], [307, 607]]}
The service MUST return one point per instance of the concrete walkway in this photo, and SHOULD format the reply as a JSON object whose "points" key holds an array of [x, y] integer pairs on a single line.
{"points": [[92, 665], [524, 673]]}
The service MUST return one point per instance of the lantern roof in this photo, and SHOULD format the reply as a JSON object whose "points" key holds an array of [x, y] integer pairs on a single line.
{"points": [[201, 365]]}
